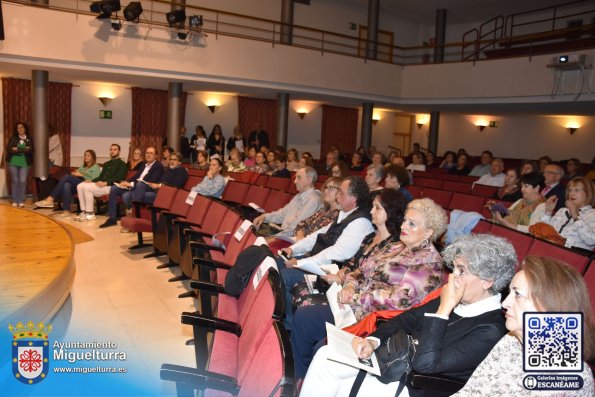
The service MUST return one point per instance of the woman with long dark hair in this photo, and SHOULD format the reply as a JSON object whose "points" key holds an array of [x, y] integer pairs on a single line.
{"points": [[19, 158]]}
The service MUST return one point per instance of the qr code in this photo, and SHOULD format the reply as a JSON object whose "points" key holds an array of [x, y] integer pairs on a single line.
{"points": [[553, 342]]}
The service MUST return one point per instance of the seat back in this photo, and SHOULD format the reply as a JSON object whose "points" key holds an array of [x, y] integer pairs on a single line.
{"points": [[466, 202], [165, 197], [482, 227], [198, 211], [192, 181], [179, 206], [440, 197], [414, 190], [275, 183], [257, 195], [217, 212], [545, 248], [483, 190], [235, 192], [454, 186], [590, 281], [261, 180], [277, 199], [195, 172], [520, 241], [431, 183]]}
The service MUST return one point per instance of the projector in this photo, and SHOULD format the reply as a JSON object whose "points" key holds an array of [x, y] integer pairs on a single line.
{"points": [[575, 59]]}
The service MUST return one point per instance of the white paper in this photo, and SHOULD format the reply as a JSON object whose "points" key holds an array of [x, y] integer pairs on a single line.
{"points": [[244, 227], [256, 207], [340, 350], [191, 197], [261, 241], [201, 143], [310, 280], [331, 268], [121, 186], [343, 317], [240, 145], [310, 267], [261, 270]]}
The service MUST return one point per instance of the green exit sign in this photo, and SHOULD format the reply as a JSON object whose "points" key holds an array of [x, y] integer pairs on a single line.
{"points": [[105, 114]]}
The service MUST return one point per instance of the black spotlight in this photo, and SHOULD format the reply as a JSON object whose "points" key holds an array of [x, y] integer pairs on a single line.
{"points": [[105, 8], [195, 21], [116, 25], [176, 17], [133, 10]]}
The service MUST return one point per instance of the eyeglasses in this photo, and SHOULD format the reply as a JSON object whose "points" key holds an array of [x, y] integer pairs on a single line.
{"points": [[575, 189], [551, 172], [331, 187]]}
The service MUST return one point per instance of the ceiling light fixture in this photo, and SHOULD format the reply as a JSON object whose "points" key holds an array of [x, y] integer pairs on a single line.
{"points": [[132, 11], [105, 8]]}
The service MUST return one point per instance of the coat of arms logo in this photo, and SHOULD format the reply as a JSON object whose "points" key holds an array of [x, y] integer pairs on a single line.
{"points": [[30, 351]]}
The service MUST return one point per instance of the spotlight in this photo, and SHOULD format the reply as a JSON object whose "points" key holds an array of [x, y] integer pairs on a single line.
{"points": [[116, 24], [105, 8], [195, 21], [176, 17], [182, 35], [133, 10]]}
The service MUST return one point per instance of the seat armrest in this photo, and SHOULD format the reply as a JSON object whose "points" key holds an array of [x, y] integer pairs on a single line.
{"points": [[211, 323]]}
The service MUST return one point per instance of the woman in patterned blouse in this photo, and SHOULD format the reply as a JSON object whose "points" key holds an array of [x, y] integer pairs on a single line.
{"points": [[541, 285], [392, 272], [326, 214]]}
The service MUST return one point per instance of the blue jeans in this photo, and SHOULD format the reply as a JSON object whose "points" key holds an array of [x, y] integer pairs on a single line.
{"points": [[309, 329], [290, 278], [18, 176], [66, 188], [140, 192]]}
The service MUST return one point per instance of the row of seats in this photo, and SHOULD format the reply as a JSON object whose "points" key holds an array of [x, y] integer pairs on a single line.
{"points": [[456, 186]]}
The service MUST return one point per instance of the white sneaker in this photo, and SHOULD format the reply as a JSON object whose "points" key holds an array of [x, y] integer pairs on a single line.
{"points": [[82, 217], [44, 204], [15, 205], [21, 205], [90, 217]]}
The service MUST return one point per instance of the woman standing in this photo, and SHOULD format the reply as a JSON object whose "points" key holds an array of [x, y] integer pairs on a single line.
{"points": [[237, 141], [216, 142], [19, 157]]}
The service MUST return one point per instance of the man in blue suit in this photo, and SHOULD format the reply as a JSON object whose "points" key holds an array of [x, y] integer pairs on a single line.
{"points": [[552, 175], [134, 188]]}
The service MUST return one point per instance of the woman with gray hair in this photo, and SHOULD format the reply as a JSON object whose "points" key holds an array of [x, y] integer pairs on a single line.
{"points": [[454, 333]]}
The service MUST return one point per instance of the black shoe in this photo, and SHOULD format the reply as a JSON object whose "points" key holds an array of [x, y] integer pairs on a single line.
{"points": [[108, 223]]}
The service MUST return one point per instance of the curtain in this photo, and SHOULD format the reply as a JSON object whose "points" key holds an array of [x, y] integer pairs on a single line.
{"points": [[252, 111], [149, 117], [339, 128], [17, 107]]}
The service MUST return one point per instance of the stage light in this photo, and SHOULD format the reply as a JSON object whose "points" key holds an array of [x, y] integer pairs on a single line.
{"points": [[116, 24], [176, 17], [195, 21], [132, 11], [105, 8]]}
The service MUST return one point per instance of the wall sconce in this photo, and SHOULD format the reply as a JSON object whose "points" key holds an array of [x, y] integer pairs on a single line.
{"points": [[212, 108], [572, 130], [375, 119], [419, 125], [572, 127], [105, 100], [421, 120], [302, 113], [481, 125]]}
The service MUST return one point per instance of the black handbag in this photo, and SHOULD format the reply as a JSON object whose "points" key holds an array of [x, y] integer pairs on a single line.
{"points": [[394, 356]]}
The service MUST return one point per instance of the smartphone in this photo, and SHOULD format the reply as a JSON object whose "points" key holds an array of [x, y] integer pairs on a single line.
{"points": [[282, 255]]}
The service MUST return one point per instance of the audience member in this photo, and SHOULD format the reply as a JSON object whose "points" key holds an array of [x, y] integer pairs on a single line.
{"points": [[416, 149], [66, 187], [213, 183], [340, 169], [397, 177], [271, 158], [198, 141], [19, 158], [136, 162], [450, 160], [462, 151], [185, 148], [173, 175], [454, 333], [237, 141], [306, 160], [356, 162], [485, 166], [573, 169], [331, 159], [55, 148], [524, 212], [135, 188], [365, 158], [235, 164], [541, 285], [591, 173], [495, 177], [576, 221], [113, 171], [399, 160], [430, 159], [462, 167], [326, 214], [337, 242], [216, 142], [385, 273], [553, 175], [260, 164], [301, 206], [511, 190], [378, 158], [293, 162], [416, 163], [543, 162], [258, 137], [374, 175], [165, 152], [280, 170], [202, 160], [250, 159], [528, 167]]}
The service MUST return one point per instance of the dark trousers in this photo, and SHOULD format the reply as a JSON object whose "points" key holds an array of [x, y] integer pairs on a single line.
{"points": [[128, 196], [308, 330], [65, 189]]}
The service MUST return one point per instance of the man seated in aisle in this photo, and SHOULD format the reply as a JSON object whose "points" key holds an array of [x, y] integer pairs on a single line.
{"points": [[113, 171], [485, 166], [336, 242], [134, 188], [552, 175], [301, 206], [280, 170], [495, 177], [235, 164]]}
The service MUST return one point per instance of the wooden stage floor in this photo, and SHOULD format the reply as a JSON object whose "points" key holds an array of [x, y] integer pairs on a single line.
{"points": [[36, 265]]}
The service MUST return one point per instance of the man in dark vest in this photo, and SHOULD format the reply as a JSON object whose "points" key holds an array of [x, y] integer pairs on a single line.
{"points": [[337, 242]]}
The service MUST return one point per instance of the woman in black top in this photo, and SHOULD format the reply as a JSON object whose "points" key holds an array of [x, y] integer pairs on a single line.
{"points": [[19, 158], [216, 142]]}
